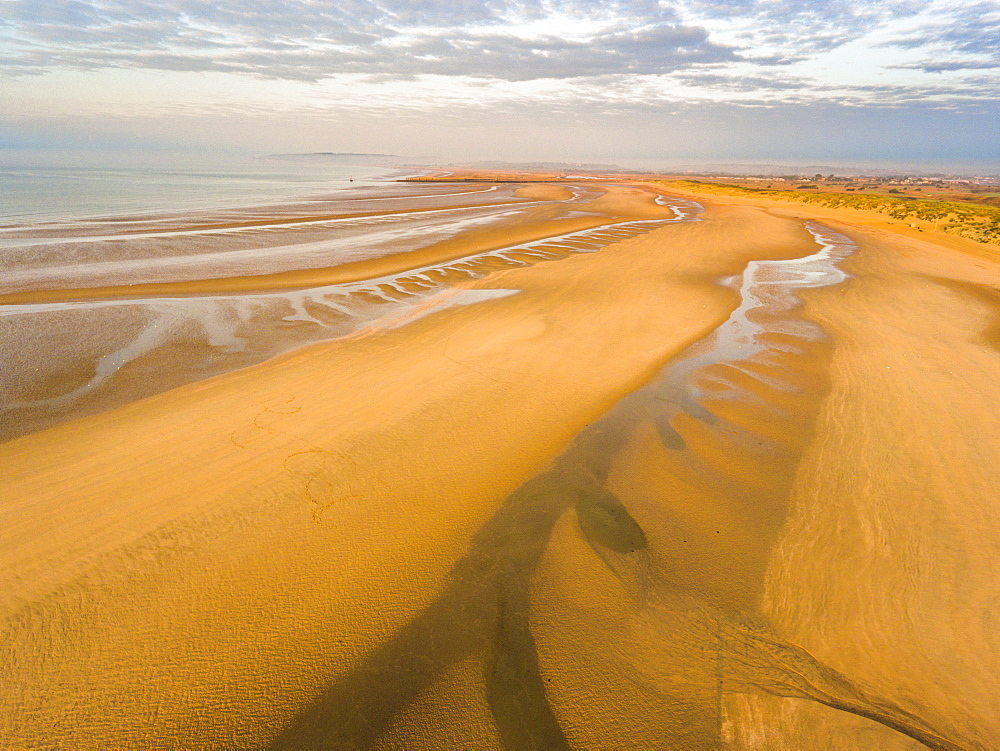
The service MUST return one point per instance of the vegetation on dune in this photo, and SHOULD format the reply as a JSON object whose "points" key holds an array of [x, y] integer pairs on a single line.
{"points": [[981, 223]]}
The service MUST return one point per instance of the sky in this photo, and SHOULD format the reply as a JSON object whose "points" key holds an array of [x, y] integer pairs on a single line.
{"points": [[649, 83]]}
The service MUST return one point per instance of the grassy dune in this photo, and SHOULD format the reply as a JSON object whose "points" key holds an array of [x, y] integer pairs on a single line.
{"points": [[980, 223]]}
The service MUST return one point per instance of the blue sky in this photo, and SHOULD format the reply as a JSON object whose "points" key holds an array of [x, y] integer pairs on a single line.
{"points": [[643, 82]]}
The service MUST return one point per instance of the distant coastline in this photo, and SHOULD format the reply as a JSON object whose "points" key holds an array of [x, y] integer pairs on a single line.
{"points": [[343, 157]]}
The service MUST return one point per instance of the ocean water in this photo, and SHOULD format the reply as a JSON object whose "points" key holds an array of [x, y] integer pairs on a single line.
{"points": [[43, 194]]}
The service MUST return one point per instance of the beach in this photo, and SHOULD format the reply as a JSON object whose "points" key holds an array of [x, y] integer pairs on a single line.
{"points": [[543, 465]]}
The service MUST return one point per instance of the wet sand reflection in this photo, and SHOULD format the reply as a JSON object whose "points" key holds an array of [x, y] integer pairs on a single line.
{"points": [[679, 492]]}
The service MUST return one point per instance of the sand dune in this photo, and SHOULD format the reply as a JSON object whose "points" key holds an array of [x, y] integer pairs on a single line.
{"points": [[545, 520]]}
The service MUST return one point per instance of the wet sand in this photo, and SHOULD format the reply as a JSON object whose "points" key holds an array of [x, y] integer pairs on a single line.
{"points": [[571, 516], [95, 314]]}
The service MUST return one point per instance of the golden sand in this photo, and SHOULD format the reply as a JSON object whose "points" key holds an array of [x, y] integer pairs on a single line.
{"points": [[366, 542]]}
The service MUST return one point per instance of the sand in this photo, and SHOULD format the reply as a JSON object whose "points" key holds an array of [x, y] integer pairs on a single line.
{"points": [[409, 538]]}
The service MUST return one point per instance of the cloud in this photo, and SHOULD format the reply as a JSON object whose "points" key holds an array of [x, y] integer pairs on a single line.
{"points": [[933, 66], [798, 25], [968, 39], [656, 51], [308, 41], [722, 82]]}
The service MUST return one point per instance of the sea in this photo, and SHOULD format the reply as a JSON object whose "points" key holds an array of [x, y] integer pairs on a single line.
{"points": [[52, 193]]}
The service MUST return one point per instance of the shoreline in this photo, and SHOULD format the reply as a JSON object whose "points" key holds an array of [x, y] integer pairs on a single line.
{"points": [[249, 319], [300, 279]]}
